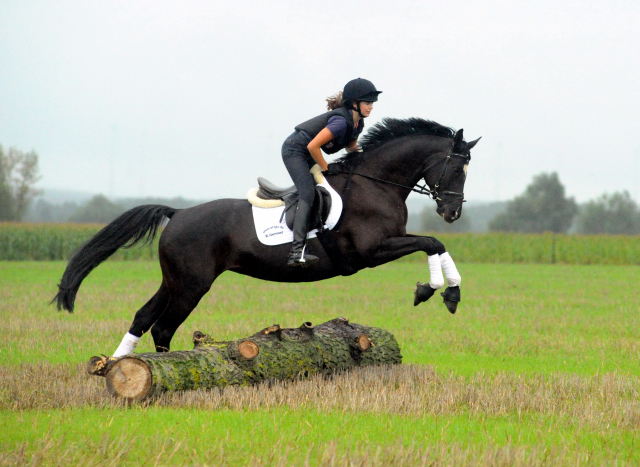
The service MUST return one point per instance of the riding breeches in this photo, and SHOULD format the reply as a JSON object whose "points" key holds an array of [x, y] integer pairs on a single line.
{"points": [[298, 161]]}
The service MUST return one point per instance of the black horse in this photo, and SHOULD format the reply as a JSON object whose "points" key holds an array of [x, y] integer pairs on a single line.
{"points": [[202, 242]]}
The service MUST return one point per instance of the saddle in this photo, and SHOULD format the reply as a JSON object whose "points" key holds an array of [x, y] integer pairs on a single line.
{"points": [[319, 211]]}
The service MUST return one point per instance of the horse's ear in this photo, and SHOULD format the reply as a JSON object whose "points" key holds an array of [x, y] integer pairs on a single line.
{"points": [[458, 140], [470, 145]]}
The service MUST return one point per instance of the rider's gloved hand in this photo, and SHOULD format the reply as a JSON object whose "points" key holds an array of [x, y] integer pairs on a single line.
{"points": [[333, 169]]}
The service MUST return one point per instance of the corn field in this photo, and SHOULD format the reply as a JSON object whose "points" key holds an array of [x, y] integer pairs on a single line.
{"points": [[544, 248], [47, 242], [41, 242]]}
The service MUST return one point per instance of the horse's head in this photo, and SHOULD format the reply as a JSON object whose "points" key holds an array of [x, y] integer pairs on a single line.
{"points": [[446, 176]]}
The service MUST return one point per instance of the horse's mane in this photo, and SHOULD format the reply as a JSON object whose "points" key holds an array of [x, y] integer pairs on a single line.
{"points": [[391, 128]]}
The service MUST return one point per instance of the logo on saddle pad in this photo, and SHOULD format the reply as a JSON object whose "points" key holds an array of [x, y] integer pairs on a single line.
{"points": [[274, 230]]}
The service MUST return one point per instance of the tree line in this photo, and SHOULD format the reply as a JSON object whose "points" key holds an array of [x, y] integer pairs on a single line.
{"points": [[98, 210], [18, 175], [545, 207]]}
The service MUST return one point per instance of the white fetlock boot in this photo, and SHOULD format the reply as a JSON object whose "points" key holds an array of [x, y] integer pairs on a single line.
{"points": [[127, 346]]}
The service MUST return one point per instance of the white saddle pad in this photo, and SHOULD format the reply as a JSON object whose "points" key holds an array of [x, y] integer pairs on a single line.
{"points": [[271, 231]]}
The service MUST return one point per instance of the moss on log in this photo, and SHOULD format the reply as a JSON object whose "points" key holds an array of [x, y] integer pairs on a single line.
{"points": [[271, 354]]}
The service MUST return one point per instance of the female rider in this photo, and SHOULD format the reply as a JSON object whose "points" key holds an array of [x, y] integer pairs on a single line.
{"points": [[332, 131]]}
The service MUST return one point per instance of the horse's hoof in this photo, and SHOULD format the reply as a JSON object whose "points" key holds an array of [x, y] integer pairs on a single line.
{"points": [[451, 306], [451, 298], [422, 293]]}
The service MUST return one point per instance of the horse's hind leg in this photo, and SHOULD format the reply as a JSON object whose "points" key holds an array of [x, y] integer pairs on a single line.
{"points": [[179, 309], [144, 319]]}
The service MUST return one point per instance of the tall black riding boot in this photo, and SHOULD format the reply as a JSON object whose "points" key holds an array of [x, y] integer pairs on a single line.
{"points": [[298, 256]]}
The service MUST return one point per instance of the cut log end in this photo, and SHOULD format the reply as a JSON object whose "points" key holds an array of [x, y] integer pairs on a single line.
{"points": [[364, 343], [248, 349], [129, 378], [198, 337], [307, 327]]}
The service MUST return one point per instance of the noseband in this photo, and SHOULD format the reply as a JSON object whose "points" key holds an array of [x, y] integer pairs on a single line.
{"points": [[426, 189]]}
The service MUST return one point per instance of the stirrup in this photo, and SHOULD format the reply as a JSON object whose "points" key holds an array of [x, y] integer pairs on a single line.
{"points": [[299, 258]]}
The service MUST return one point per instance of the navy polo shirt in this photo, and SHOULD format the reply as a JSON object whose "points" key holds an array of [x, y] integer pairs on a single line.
{"points": [[338, 127]]}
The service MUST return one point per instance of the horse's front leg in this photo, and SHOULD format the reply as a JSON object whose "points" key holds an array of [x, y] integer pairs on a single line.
{"points": [[438, 258]]}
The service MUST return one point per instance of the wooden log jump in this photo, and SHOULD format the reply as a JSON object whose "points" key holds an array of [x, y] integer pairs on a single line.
{"points": [[271, 354]]}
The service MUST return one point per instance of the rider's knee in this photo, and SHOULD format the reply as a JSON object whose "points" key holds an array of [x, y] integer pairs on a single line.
{"points": [[307, 194]]}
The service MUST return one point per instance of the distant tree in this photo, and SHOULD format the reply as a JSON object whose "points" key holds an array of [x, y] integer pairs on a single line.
{"points": [[543, 207], [18, 174], [615, 214], [481, 213], [99, 210], [430, 221], [6, 200], [42, 211]]}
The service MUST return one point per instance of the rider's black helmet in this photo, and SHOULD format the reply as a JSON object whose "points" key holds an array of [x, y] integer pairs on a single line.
{"points": [[360, 90]]}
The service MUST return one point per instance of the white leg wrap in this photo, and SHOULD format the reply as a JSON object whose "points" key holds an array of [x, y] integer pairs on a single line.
{"points": [[129, 342], [450, 271], [435, 272]]}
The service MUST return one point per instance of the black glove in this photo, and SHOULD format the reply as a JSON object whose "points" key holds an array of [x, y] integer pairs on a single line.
{"points": [[333, 169]]}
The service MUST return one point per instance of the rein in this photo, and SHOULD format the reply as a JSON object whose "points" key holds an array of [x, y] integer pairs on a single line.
{"points": [[425, 189]]}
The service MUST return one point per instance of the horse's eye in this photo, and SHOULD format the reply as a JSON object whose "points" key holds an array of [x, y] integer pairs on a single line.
{"points": [[457, 170]]}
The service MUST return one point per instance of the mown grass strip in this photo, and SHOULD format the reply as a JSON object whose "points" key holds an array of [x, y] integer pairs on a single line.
{"points": [[598, 401]]}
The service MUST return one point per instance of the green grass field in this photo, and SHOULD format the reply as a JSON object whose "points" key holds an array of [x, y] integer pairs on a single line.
{"points": [[540, 366]]}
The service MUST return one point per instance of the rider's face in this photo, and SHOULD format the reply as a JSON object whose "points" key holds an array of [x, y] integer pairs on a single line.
{"points": [[366, 108]]}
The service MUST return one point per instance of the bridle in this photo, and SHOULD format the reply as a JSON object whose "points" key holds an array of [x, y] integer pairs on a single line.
{"points": [[452, 195], [425, 189]]}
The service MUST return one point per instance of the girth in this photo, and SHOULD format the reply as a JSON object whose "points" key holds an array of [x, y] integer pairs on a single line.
{"points": [[319, 211]]}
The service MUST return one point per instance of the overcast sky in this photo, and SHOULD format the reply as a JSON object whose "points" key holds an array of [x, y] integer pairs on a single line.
{"points": [[194, 98]]}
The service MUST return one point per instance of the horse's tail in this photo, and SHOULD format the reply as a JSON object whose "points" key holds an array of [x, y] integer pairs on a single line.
{"points": [[139, 224]]}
